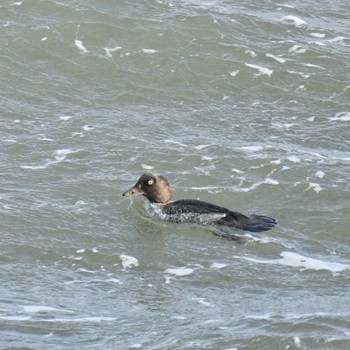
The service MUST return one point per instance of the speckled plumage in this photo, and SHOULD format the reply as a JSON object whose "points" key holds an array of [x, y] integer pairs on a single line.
{"points": [[157, 190]]}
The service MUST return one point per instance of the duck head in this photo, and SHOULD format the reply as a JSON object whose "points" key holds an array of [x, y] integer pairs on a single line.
{"points": [[153, 186]]}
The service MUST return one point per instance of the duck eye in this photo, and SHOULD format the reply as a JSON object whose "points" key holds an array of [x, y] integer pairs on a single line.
{"points": [[150, 182]]}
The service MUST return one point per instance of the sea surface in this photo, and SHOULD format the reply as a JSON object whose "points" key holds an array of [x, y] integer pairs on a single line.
{"points": [[245, 104]]}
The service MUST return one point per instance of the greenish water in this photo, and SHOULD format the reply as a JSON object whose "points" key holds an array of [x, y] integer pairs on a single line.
{"points": [[243, 105]]}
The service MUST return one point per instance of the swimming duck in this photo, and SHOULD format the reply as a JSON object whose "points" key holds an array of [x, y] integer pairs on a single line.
{"points": [[157, 190]]}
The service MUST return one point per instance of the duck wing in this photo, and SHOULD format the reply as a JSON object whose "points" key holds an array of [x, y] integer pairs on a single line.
{"points": [[196, 211]]}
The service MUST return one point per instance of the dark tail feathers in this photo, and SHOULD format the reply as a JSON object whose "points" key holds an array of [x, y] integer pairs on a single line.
{"points": [[258, 223]]}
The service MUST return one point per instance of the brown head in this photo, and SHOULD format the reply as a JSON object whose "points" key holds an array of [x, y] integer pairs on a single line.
{"points": [[154, 187]]}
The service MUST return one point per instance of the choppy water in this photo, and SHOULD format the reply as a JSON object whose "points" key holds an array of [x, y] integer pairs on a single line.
{"points": [[242, 104]]}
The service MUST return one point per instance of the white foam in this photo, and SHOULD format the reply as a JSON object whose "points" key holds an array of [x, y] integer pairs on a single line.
{"points": [[287, 6], [252, 148], [217, 265], [75, 257], [266, 316], [337, 39], [267, 181], [315, 186], [38, 308], [270, 181], [205, 188], [312, 65], [44, 138], [237, 171], [10, 141], [208, 158], [294, 159], [110, 50], [128, 261], [234, 73], [93, 319], [149, 51], [297, 260], [212, 321], [80, 46], [178, 317], [297, 342], [80, 203], [87, 127], [94, 281], [343, 117], [179, 271], [61, 154], [318, 35], [175, 142], [297, 49], [146, 166], [202, 146], [77, 134], [277, 161], [319, 174], [294, 19], [250, 52], [38, 167], [81, 269], [113, 280], [15, 318], [278, 59], [261, 70], [300, 74], [203, 302]]}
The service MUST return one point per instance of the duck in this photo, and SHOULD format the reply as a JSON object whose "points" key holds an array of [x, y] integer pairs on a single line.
{"points": [[157, 190]]}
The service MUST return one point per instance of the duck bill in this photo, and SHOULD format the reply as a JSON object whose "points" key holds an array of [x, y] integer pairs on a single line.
{"points": [[134, 192]]}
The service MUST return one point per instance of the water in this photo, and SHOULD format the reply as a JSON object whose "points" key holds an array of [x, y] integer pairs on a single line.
{"points": [[244, 105]]}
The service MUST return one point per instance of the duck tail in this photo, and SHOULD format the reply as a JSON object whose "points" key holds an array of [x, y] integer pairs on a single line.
{"points": [[258, 223]]}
